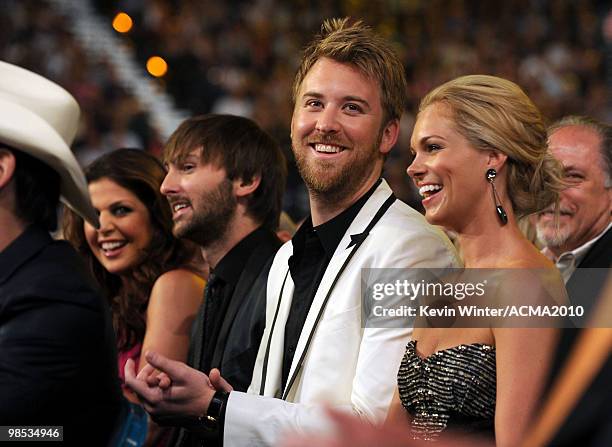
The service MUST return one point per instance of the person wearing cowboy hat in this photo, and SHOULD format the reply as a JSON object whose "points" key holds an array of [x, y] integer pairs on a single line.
{"points": [[58, 362]]}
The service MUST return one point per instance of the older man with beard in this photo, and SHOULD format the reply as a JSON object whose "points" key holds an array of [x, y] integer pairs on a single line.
{"points": [[583, 238], [349, 94], [581, 246]]}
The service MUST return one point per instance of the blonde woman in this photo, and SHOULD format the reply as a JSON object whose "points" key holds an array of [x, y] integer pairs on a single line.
{"points": [[481, 163]]}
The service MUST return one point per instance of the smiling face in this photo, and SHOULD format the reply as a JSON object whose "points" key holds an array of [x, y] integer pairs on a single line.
{"points": [[125, 231], [201, 197], [447, 170], [585, 206], [336, 130]]}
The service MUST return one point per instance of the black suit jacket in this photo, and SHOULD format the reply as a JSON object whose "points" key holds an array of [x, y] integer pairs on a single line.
{"points": [[590, 422], [586, 283], [58, 363], [245, 320], [242, 328], [243, 323]]}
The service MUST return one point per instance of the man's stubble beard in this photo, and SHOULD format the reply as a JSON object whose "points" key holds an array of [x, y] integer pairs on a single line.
{"points": [[210, 222], [345, 182]]}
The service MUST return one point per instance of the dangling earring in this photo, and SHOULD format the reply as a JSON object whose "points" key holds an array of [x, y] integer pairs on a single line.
{"points": [[501, 213]]}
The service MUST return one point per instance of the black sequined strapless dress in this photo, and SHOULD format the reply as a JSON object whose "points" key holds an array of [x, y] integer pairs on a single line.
{"points": [[453, 388]]}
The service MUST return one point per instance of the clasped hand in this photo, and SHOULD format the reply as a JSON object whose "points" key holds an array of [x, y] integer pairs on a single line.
{"points": [[171, 388]]}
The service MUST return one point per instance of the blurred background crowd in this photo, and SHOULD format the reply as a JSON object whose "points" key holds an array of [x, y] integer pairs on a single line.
{"points": [[239, 57]]}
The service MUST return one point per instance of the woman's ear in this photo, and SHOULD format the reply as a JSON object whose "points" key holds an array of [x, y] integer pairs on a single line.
{"points": [[243, 188], [496, 160], [7, 167]]}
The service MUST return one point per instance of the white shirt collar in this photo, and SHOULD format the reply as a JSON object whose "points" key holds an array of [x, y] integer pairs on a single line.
{"points": [[569, 260]]}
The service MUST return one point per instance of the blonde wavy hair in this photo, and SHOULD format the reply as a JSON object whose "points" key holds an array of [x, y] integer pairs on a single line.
{"points": [[495, 114]]}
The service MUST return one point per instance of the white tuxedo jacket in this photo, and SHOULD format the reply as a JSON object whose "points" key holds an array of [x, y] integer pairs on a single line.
{"points": [[345, 365]]}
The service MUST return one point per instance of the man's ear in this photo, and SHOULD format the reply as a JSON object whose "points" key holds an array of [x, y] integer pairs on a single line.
{"points": [[389, 136], [7, 167], [243, 188], [496, 160]]}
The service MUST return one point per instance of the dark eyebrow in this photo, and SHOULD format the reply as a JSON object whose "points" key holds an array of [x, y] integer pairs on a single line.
{"points": [[182, 157], [187, 158], [119, 203]]}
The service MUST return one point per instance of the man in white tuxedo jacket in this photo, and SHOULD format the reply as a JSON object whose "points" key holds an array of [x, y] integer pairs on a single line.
{"points": [[349, 95]]}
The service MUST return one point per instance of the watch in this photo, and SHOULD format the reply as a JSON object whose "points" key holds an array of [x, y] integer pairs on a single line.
{"points": [[206, 423], [217, 406]]}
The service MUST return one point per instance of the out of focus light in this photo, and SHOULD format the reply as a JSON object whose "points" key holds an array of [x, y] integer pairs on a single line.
{"points": [[156, 66], [122, 22]]}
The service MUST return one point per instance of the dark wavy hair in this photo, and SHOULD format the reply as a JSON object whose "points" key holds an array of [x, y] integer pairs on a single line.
{"points": [[142, 174]]}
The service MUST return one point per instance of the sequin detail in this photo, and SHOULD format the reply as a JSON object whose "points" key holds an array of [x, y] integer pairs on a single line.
{"points": [[451, 386]]}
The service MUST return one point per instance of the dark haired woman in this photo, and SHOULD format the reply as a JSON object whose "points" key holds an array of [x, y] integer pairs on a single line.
{"points": [[148, 275]]}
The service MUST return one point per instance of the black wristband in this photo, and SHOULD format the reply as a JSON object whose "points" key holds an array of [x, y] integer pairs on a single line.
{"points": [[217, 405], [211, 422]]}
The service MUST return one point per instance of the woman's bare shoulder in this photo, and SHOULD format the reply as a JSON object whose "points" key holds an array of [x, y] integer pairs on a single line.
{"points": [[178, 275], [178, 284]]}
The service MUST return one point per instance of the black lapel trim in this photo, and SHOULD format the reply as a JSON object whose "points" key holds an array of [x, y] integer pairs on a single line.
{"points": [[264, 371], [357, 239], [381, 211]]}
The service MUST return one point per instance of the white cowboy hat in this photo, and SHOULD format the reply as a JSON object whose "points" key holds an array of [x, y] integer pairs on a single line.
{"points": [[40, 118]]}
